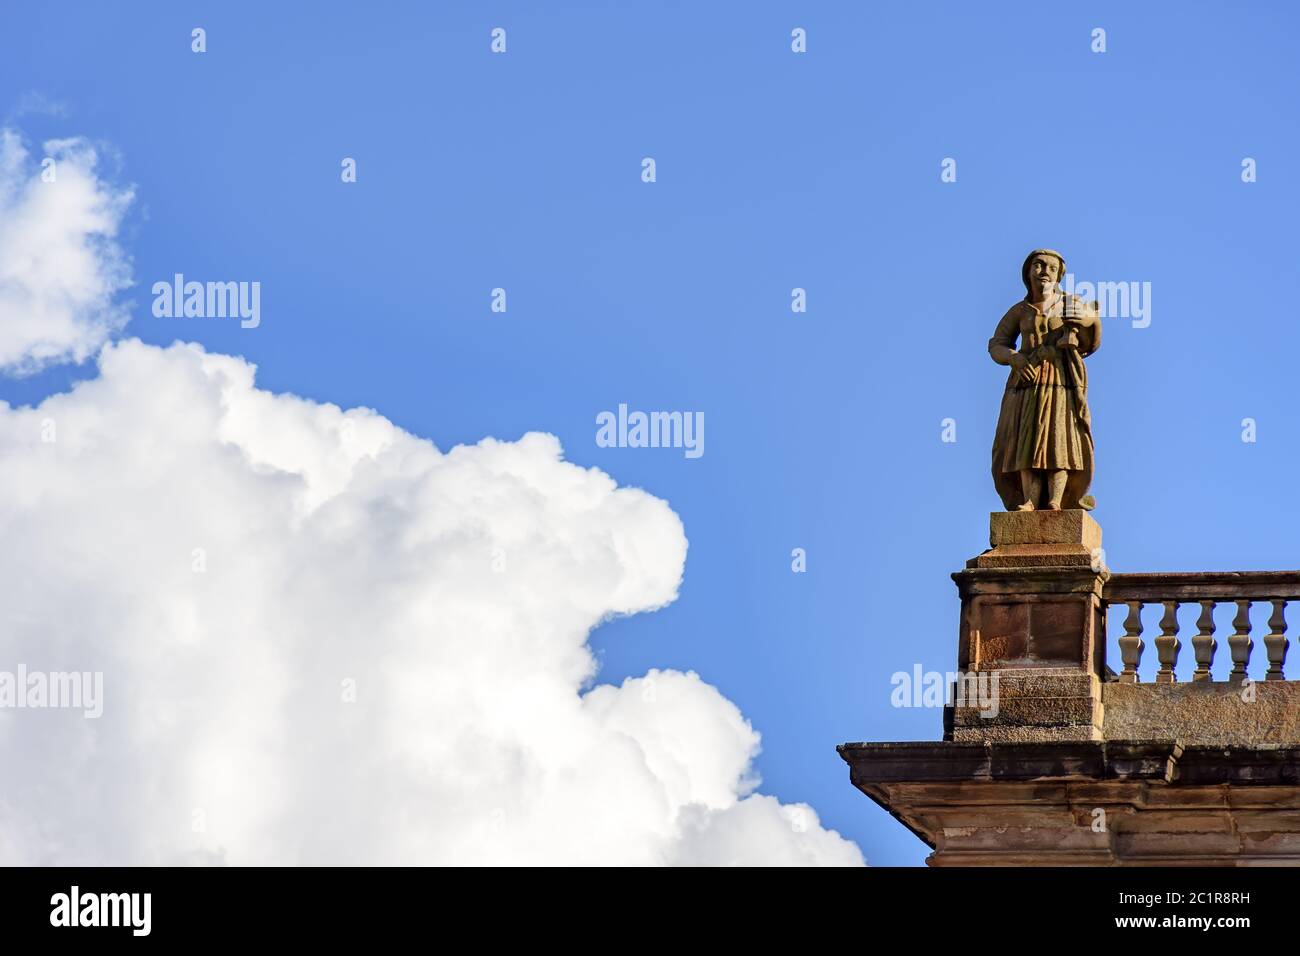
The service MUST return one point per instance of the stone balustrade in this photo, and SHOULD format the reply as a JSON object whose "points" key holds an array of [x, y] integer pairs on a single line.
{"points": [[1205, 589]]}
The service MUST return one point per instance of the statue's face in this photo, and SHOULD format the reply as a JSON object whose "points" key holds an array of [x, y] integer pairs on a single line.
{"points": [[1044, 273]]}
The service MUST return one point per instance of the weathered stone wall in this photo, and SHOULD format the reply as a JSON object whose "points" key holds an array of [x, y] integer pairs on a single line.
{"points": [[1203, 712]]}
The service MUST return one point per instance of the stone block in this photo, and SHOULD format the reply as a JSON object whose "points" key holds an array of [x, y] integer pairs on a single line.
{"points": [[1044, 527], [1038, 539]]}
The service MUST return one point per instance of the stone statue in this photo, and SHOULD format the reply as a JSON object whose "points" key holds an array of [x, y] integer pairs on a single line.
{"points": [[1042, 450]]}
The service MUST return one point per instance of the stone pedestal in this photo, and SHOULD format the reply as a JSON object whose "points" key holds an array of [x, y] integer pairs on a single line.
{"points": [[1031, 613], [1032, 539]]}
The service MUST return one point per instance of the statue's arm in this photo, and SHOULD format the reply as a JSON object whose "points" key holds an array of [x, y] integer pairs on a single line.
{"points": [[1003, 344]]}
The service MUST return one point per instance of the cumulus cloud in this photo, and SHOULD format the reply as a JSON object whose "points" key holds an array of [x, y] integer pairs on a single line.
{"points": [[323, 640], [60, 263]]}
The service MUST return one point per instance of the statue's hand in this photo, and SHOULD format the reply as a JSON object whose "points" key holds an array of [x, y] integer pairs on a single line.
{"points": [[1025, 371]]}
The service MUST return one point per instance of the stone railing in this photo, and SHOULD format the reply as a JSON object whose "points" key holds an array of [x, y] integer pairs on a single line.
{"points": [[1207, 589]]}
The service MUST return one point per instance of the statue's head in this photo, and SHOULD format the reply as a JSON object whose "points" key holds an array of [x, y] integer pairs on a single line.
{"points": [[1041, 272]]}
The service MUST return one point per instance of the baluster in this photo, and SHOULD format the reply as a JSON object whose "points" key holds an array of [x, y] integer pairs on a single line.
{"points": [[1130, 645], [1240, 643], [1167, 644], [1275, 641], [1203, 644]]}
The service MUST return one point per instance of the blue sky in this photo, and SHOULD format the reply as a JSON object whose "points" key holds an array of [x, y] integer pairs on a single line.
{"points": [[774, 171]]}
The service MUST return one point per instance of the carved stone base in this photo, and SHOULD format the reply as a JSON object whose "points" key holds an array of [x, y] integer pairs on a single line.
{"points": [[1033, 599], [1032, 539]]}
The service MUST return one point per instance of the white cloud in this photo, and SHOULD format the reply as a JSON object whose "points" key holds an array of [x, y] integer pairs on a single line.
{"points": [[456, 590], [60, 264], [236, 561]]}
